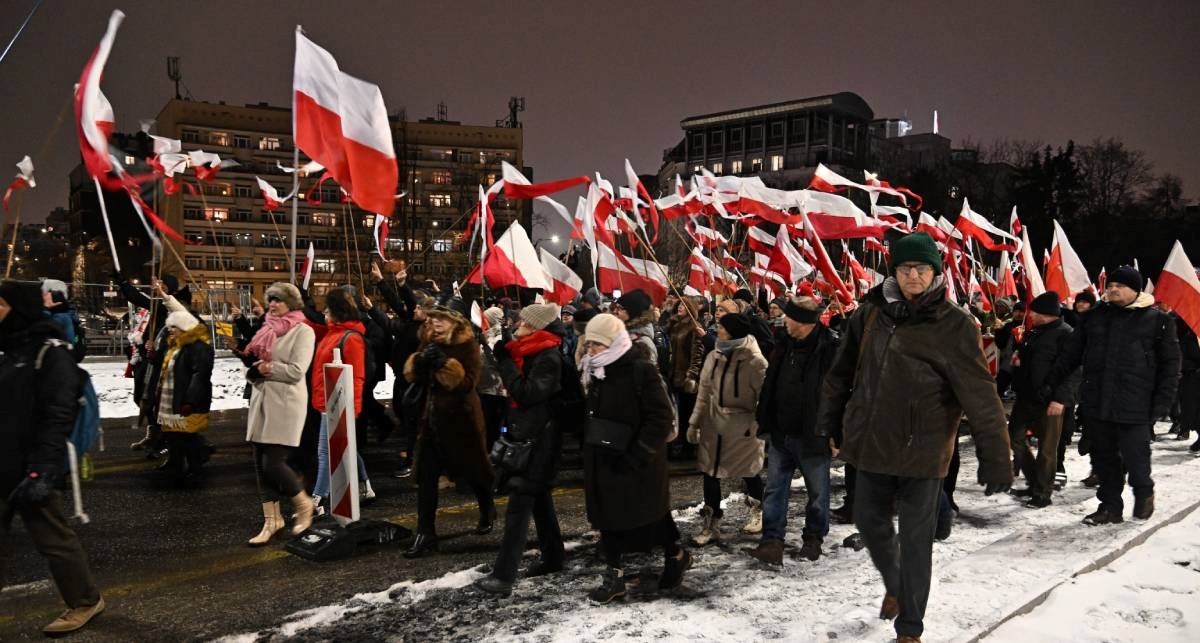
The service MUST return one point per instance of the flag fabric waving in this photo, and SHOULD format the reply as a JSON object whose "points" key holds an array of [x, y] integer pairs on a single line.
{"points": [[564, 283], [308, 266], [23, 180], [1179, 287]]}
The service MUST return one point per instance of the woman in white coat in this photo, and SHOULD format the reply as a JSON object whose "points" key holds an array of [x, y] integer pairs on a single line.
{"points": [[279, 356]]}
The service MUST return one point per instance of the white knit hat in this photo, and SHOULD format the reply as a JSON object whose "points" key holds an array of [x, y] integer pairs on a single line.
{"points": [[604, 329], [539, 315], [183, 320]]}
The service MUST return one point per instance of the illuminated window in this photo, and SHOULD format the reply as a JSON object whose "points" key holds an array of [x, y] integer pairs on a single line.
{"points": [[216, 214], [718, 167], [441, 245], [441, 177], [218, 138], [483, 158], [218, 189], [324, 218], [325, 265], [268, 143], [756, 165], [735, 167], [439, 200], [368, 221], [129, 160], [776, 162]]}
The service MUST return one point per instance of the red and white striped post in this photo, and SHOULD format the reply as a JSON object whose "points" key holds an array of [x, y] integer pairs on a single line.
{"points": [[343, 460]]}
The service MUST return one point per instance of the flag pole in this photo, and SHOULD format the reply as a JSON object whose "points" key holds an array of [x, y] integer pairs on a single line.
{"points": [[16, 230], [295, 197], [107, 227]]}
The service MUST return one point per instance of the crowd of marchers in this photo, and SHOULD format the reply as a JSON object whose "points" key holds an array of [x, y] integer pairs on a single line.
{"points": [[887, 384]]}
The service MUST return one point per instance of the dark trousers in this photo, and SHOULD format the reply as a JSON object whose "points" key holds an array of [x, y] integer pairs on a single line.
{"points": [[1189, 403], [1038, 472], [429, 469], [276, 480], [1065, 438], [374, 411], [712, 491], [950, 482], [58, 544], [904, 559], [516, 530], [495, 409], [1117, 448], [851, 475]]}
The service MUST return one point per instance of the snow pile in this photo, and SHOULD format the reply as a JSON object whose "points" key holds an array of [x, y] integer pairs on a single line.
{"points": [[115, 391]]}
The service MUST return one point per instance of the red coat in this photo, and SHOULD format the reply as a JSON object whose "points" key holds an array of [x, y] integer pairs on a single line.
{"points": [[354, 353]]}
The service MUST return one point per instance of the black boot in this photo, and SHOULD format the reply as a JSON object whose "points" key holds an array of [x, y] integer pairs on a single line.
{"points": [[843, 515], [811, 549], [673, 569], [612, 586], [422, 545]]}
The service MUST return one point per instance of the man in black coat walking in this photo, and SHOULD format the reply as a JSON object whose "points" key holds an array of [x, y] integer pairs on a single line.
{"points": [[1130, 358], [1036, 355]]}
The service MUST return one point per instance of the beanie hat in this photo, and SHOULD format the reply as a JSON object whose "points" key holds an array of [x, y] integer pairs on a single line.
{"points": [[170, 283], [568, 310], [183, 320], [604, 329], [494, 316], [1047, 303], [287, 293], [539, 316], [744, 295], [797, 313], [635, 302], [1086, 295], [56, 288], [736, 324], [592, 296], [1129, 276], [917, 247], [24, 299], [184, 295]]}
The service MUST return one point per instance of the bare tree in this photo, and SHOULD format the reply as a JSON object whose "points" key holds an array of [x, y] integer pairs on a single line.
{"points": [[1112, 176]]}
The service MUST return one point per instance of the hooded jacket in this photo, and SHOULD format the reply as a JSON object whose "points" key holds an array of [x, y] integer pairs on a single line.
{"points": [[793, 384], [726, 401], [901, 380]]}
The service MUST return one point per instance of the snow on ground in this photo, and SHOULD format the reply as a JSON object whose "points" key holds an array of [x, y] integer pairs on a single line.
{"points": [[228, 382], [1000, 557], [1149, 594]]}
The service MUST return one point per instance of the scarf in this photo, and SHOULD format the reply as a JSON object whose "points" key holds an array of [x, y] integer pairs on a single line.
{"points": [[727, 346], [593, 365], [274, 327], [535, 342]]}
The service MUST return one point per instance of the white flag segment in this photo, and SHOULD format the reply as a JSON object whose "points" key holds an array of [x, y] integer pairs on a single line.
{"points": [[1029, 267], [564, 283], [309, 258], [25, 171], [341, 122], [1073, 269], [824, 177], [163, 145], [514, 262], [977, 226], [1179, 287], [93, 112]]}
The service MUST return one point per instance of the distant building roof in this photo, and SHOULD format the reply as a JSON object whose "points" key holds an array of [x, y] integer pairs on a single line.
{"points": [[848, 102]]}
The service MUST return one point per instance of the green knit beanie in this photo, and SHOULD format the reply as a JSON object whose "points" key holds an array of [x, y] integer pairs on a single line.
{"points": [[918, 248]]}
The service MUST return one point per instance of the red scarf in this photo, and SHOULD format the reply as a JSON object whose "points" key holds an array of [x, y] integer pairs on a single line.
{"points": [[535, 342]]}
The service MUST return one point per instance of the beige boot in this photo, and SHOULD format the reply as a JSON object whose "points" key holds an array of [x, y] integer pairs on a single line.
{"points": [[754, 523], [302, 513], [272, 523], [711, 529]]}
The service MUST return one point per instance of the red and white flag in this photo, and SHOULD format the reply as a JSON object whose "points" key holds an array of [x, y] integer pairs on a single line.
{"points": [[477, 316], [380, 235], [786, 260], [93, 113], [309, 259], [512, 261], [1102, 280], [836, 217], [1007, 286], [826, 180], [564, 283], [1065, 273], [635, 184], [975, 225], [341, 122], [1029, 269], [617, 272], [271, 199], [516, 186], [23, 180], [760, 241], [1014, 223], [1179, 287], [929, 225], [824, 265]]}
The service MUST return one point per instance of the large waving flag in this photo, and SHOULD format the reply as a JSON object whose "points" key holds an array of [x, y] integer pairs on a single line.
{"points": [[516, 186], [1179, 287], [341, 122], [564, 283], [1065, 273], [23, 180], [93, 113], [976, 226], [512, 262]]}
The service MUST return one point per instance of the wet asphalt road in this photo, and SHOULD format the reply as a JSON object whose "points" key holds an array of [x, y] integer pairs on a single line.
{"points": [[172, 562]]}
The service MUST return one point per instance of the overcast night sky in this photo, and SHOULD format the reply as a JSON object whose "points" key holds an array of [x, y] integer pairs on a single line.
{"points": [[609, 80]]}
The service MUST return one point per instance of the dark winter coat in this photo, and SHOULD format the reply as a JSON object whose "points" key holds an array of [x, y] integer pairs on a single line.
{"points": [[245, 328], [451, 416], [792, 388], [687, 353], [620, 496], [530, 417], [1038, 351], [899, 385], [191, 381], [39, 405], [1130, 359], [64, 317], [1189, 348]]}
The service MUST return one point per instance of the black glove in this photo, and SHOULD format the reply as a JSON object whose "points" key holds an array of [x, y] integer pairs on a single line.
{"points": [[500, 350], [33, 490], [434, 357], [996, 487], [253, 375]]}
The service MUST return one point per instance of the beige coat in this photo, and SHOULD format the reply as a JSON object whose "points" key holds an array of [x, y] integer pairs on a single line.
{"points": [[279, 403], [723, 421]]}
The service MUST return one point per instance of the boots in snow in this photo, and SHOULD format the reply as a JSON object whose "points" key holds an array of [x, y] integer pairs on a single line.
{"points": [[711, 528], [1143, 508], [769, 552], [612, 586], [754, 523], [302, 513], [422, 545], [673, 569], [366, 495], [811, 548], [890, 608], [272, 523], [843, 515]]}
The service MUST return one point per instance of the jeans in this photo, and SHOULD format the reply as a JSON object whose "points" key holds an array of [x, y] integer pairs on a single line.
{"points": [[1117, 448], [516, 530], [786, 456], [904, 559], [322, 486]]}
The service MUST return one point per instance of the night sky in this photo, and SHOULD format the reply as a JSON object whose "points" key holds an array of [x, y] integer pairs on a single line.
{"points": [[609, 80]]}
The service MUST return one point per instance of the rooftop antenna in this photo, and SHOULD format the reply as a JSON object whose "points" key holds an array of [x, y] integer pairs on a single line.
{"points": [[442, 111], [516, 105], [935, 123], [174, 74]]}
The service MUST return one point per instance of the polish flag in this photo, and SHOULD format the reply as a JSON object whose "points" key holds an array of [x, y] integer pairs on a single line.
{"points": [[617, 272], [380, 235], [1065, 273], [824, 265], [826, 180], [672, 206], [271, 199], [1029, 268], [1102, 279], [892, 215], [477, 316], [564, 283], [786, 260], [635, 184], [929, 225], [1179, 287], [308, 266], [23, 180], [975, 225], [836, 217], [1014, 223], [1007, 286], [93, 113], [342, 123], [974, 289], [516, 186], [760, 241], [699, 276], [707, 237], [512, 261], [876, 246]]}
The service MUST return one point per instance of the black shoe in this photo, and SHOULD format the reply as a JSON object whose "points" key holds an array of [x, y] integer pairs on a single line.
{"points": [[811, 549], [1093, 480], [403, 472], [487, 521], [422, 545], [1195, 448], [612, 587], [1143, 508], [843, 515], [673, 569], [543, 567], [769, 552], [493, 585], [1038, 502], [1022, 493], [854, 541], [944, 528], [1103, 517]]}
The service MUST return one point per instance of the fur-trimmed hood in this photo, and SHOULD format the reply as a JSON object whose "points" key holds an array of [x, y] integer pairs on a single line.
{"points": [[460, 334]]}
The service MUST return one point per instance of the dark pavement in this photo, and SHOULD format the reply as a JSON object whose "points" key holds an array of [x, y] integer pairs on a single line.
{"points": [[172, 562]]}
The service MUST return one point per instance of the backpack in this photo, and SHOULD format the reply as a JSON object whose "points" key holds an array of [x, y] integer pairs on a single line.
{"points": [[87, 419], [79, 348], [368, 355]]}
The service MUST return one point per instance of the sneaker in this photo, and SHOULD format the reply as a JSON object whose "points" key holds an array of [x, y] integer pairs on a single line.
{"points": [[403, 472], [769, 552], [1143, 508], [1103, 517], [672, 573], [366, 495], [811, 549], [612, 587], [73, 619], [1038, 502], [710, 531]]}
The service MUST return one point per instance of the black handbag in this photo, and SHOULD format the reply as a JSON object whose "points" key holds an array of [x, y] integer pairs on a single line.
{"points": [[511, 455], [607, 434]]}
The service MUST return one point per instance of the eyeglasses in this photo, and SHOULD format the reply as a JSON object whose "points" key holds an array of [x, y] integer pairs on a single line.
{"points": [[273, 298], [909, 268]]}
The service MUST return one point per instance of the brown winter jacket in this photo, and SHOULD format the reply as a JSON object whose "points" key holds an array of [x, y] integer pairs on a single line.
{"points": [[897, 390], [723, 422], [687, 352]]}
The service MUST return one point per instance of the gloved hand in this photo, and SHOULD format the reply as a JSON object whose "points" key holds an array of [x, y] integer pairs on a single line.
{"points": [[693, 434], [33, 490], [500, 350], [253, 375], [185, 409], [434, 357], [996, 487]]}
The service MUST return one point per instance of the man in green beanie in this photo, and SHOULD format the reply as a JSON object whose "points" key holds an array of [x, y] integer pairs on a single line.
{"points": [[909, 365]]}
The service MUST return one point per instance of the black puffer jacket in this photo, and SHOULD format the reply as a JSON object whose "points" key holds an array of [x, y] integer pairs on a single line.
{"points": [[1038, 351], [903, 376], [1130, 359], [799, 394], [530, 418], [1189, 348], [39, 404]]}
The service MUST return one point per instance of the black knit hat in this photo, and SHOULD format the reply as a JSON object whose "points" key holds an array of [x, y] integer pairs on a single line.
{"points": [[25, 300], [918, 248], [1129, 276], [800, 314], [635, 302], [1086, 296], [736, 324], [744, 295], [1047, 303]]}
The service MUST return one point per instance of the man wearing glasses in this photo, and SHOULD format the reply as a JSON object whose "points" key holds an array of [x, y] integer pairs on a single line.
{"points": [[909, 365]]}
